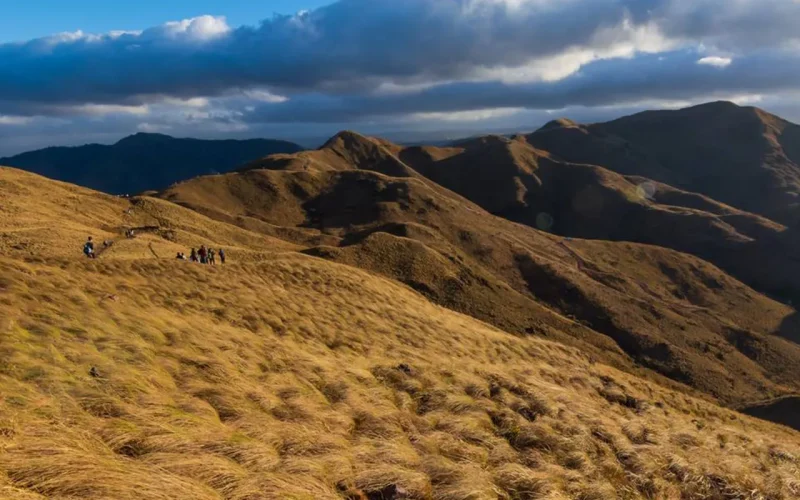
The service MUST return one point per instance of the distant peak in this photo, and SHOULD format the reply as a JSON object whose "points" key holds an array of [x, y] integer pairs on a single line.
{"points": [[718, 105], [715, 107], [144, 137], [347, 138], [560, 123]]}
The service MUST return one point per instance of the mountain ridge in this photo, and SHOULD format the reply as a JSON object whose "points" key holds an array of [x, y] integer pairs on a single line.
{"points": [[742, 156], [144, 161]]}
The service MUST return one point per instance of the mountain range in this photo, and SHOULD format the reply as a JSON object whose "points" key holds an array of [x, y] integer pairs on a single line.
{"points": [[144, 161], [586, 311], [649, 276]]}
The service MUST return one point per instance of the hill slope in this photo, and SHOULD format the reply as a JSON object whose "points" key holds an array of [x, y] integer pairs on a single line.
{"points": [[285, 376], [144, 161], [741, 156], [631, 305], [512, 179]]}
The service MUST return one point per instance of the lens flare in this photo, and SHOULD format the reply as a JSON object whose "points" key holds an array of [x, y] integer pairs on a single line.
{"points": [[544, 221], [646, 190]]}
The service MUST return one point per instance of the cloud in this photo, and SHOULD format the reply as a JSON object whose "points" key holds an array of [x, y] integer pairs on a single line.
{"points": [[153, 128], [14, 120], [467, 116], [201, 28], [364, 43], [717, 62], [673, 76], [367, 60], [107, 109]]}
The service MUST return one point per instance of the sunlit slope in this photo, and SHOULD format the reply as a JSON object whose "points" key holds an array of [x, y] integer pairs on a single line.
{"points": [[632, 305], [42, 218], [285, 376], [297, 378]]}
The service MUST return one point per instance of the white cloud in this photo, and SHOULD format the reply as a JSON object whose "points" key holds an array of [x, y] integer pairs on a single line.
{"points": [[392, 88], [108, 109], [193, 102], [14, 120], [746, 99], [717, 62], [467, 116], [264, 96], [201, 28], [152, 127], [622, 41]]}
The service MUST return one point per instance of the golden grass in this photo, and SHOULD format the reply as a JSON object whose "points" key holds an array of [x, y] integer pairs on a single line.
{"points": [[297, 378], [285, 376]]}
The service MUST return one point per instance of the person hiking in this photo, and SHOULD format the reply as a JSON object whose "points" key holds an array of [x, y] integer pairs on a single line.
{"points": [[222, 256], [212, 257], [88, 248], [203, 254], [193, 256]]}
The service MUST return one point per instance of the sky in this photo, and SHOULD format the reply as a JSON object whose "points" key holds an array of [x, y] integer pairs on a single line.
{"points": [[94, 71]]}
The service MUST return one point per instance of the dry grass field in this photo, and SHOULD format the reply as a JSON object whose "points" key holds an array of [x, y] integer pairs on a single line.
{"points": [[285, 376], [298, 378]]}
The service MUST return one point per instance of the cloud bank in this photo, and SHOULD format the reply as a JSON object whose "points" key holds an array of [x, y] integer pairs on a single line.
{"points": [[382, 62]]}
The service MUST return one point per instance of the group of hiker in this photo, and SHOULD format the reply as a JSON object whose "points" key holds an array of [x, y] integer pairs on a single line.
{"points": [[204, 255]]}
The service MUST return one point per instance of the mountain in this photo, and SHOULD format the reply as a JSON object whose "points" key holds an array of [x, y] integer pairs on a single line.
{"points": [[281, 375], [144, 161], [514, 180], [359, 201], [741, 156]]}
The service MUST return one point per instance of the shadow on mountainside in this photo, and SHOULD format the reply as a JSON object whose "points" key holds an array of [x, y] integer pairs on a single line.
{"points": [[784, 411], [790, 328]]}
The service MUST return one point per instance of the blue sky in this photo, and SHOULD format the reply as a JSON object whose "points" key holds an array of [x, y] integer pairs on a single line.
{"points": [[423, 67], [23, 20]]}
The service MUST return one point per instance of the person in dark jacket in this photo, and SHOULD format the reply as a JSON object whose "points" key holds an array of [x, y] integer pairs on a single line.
{"points": [[203, 254], [88, 248]]}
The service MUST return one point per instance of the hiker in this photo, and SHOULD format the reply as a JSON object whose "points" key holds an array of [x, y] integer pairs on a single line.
{"points": [[212, 257], [222, 256], [181, 256], [203, 254], [88, 248], [193, 256]]}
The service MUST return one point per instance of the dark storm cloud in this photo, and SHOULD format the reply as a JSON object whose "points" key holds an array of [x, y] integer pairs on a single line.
{"points": [[354, 45], [671, 76]]}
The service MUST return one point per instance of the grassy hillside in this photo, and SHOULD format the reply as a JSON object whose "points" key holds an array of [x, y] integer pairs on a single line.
{"points": [[741, 156], [290, 377], [631, 305], [512, 179]]}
